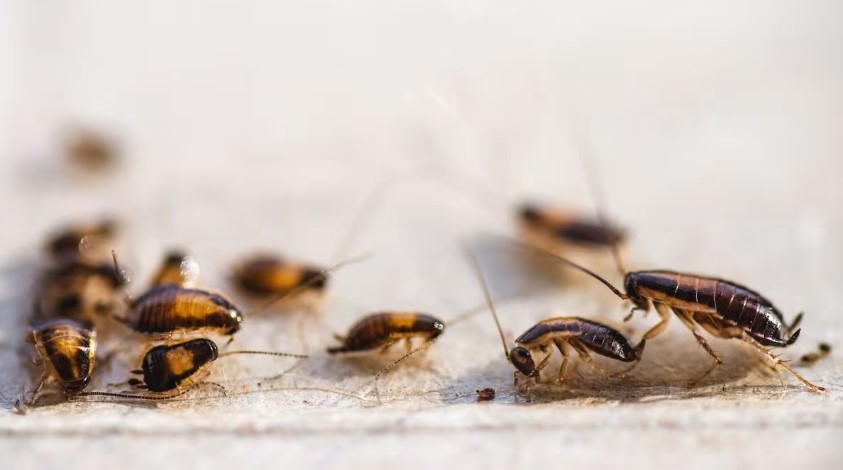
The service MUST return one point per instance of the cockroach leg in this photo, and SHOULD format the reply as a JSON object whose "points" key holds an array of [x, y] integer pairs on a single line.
{"points": [[688, 321], [778, 362], [586, 357], [664, 313]]}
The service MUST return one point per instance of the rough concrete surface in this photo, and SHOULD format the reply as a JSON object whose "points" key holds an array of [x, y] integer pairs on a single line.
{"points": [[717, 127]]}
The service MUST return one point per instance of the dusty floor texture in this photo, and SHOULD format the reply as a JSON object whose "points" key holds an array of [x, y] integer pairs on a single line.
{"points": [[717, 129]]}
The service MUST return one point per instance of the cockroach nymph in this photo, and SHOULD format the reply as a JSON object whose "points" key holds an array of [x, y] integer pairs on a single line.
{"points": [[268, 274], [555, 225], [379, 331], [178, 268], [67, 351], [77, 290], [169, 370], [566, 333], [383, 329]]}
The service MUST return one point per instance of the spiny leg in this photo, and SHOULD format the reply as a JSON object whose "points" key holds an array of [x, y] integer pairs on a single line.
{"points": [[563, 369], [388, 345], [542, 364], [688, 321], [21, 404], [582, 351], [664, 314], [778, 362]]}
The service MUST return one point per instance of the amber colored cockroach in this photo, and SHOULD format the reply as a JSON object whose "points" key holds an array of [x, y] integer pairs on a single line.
{"points": [[566, 333], [379, 331], [559, 226], [177, 268], [723, 308], [171, 369], [268, 274], [66, 349], [79, 240], [383, 329], [171, 308], [77, 290], [90, 150]]}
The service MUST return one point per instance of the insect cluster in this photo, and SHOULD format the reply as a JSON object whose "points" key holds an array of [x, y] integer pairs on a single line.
{"points": [[185, 327]]}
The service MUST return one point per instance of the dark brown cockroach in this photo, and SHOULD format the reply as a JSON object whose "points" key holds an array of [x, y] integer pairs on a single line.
{"points": [[723, 308], [66, 349], [82, 241], [268, 274], [78, 291], [170, 370], [557, 226], [566, 333], [823, 350], [178, 268], [168, 309]]}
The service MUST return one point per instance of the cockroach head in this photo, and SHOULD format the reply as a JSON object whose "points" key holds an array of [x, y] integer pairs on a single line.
{"points": [[523, 361]]}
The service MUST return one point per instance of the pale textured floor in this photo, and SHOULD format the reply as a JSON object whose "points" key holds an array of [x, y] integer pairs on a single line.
{"points": [[718, 133]]}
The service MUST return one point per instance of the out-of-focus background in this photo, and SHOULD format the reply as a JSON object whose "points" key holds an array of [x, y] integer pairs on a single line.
{"points": [[716, 125]]}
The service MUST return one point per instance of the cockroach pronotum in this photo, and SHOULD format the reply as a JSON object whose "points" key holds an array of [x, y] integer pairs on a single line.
{"points": [[67, 351], [566, 333]]}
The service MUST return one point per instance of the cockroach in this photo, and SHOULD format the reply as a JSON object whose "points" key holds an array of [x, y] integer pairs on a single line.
{"points": [[178, 268], [383, 329], [379, 331], [66, 349], [167, 309], [90, 150], [169, 370], [566, 333], [267, 274], [823, 350], [80, 240], [554, 225], [77, 290]]}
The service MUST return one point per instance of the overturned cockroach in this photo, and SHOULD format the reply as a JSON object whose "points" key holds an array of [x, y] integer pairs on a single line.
{"points": [[554, 225], [566, 333], [171, 369], [82, 241], [67, 351]]}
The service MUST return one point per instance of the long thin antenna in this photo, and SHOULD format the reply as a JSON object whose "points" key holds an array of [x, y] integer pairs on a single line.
{"points": [[301, 287], [399, 361], [598, 194], [487, 295], [265, 353], [554, 256], [128, 396]]}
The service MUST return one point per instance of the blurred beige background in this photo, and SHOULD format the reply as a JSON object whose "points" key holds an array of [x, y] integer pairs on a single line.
{"points": [[267, 124]]}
